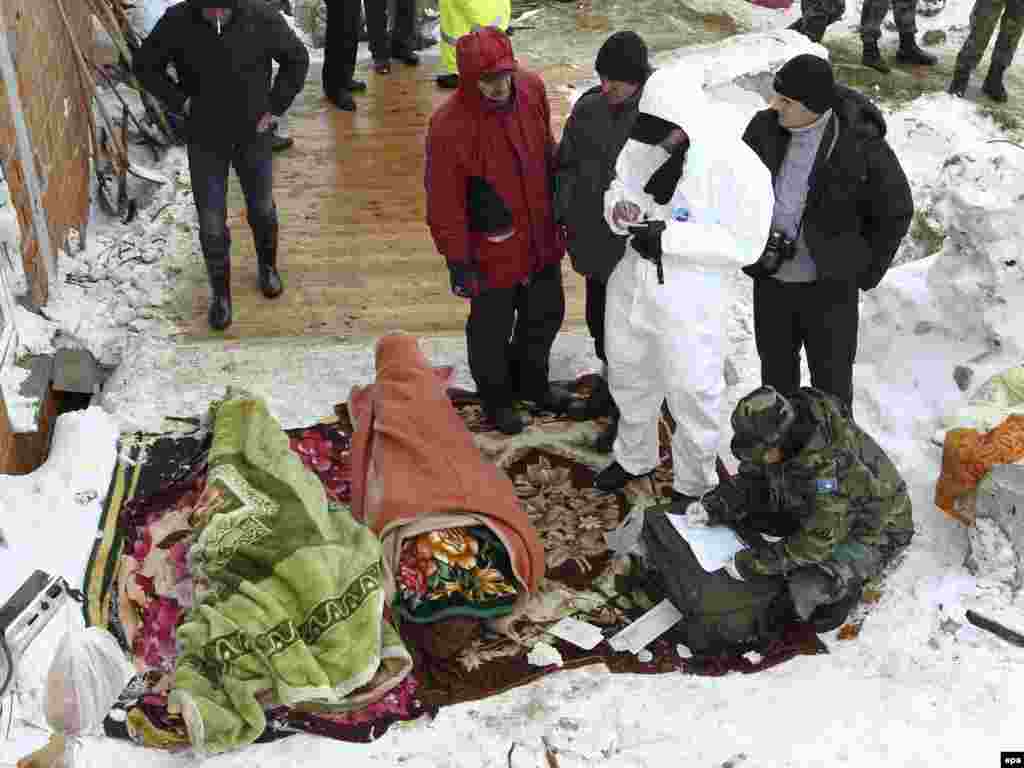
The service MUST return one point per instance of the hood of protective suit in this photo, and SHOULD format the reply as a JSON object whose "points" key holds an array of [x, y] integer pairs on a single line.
{"points": [[482, 52], [676, 96]]}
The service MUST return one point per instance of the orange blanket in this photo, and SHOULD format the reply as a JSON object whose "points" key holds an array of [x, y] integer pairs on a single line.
{"points": [[968, 455], [415, 466]]}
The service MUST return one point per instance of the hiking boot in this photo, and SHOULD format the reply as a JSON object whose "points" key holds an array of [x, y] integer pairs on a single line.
{"points": [[382, 66], [958, 85], [831, 616], [910, 52], [281, 143], [873, 58], [556, 399], [613, 478], [405, 55], [506, 419], [606, 440], [993, 86], [342, 99], [447, 81]]}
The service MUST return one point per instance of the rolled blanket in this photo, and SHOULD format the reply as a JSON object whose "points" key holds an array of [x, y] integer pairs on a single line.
{"points": [[415, 467], [289, 591]]}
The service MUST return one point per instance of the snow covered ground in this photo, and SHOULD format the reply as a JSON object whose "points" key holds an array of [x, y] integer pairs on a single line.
{"points": [[919, 686]]}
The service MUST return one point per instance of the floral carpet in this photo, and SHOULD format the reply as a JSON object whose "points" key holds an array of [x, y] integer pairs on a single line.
{"points": [[138, 583]]}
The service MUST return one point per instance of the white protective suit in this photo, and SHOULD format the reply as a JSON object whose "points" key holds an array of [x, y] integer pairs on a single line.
{"points": [[668, 341]]}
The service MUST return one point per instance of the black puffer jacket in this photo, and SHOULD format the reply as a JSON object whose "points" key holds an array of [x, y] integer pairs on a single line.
{"points": [[227, 76], [859, 204], [591, 141]]}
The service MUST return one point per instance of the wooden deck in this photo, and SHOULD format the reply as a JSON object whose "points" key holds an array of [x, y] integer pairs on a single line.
{"points": [[356, 256]]}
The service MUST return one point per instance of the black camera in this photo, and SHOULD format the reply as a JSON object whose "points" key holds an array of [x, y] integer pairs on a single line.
{"points": [[778, 250]]}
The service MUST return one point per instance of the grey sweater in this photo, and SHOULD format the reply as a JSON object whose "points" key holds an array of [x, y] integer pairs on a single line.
{"points": [[791, 184]]}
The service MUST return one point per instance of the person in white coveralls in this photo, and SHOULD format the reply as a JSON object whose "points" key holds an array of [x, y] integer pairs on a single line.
{"points": [[698, 203]]}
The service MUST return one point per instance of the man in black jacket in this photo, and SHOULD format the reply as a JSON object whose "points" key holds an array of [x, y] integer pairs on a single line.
{"points": [[222, 52], [593, 136], [842, 206]]}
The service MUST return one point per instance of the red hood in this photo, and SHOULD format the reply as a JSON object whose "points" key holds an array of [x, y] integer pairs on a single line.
{"points": [[482, 51]]}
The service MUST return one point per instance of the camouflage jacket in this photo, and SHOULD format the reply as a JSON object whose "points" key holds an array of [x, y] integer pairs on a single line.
{"points": [[839, 493]]}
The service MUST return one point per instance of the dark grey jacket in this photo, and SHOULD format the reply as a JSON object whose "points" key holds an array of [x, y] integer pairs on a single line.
{"points": [[591, 141]]}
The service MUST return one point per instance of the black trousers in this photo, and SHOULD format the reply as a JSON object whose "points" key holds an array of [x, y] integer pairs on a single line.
{"points": [[820, 317], [597, 292], [341, 44], [509, 335], [381, 45]]}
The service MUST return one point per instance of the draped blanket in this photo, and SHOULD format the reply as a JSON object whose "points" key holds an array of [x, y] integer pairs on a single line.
{"points": [[289, 596], [407, 431]]}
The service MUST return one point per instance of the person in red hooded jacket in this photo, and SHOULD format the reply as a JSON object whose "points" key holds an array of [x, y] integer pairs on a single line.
{"points": [[489, 165]]}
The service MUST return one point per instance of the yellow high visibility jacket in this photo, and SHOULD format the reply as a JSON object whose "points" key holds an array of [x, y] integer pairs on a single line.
{"points": [[459, 17]]}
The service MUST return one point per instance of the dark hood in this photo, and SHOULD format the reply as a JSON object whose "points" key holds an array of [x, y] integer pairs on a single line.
{"points": [[858, 111]]}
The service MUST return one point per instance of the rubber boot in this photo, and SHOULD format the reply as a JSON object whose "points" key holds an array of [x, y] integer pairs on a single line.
{"points": [[993, 86], [606, 440], [873, 58], [217, 255], [266, 254], [958, 85], [910, 52]]}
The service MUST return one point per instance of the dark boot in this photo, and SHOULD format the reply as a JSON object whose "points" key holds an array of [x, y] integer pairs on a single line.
{"points": [[910, 52], [831, 616], [873, 58], [613, 478], [958, 85], [993, 86], [217, 255], [556, 399], [506, 419], [604, 441], [600, 402], [266, 255]]}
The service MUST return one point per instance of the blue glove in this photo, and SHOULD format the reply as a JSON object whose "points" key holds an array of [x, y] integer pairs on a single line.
{"points": [[466, 280], [647, 239]]}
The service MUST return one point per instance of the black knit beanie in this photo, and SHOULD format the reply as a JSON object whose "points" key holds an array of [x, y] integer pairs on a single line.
{"points": [[623, 57], [809, 80]]}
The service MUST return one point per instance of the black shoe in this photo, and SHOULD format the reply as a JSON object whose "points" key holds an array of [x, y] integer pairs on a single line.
{"points": [[447, 81], [506, 419], [606, 440], [406, 56], [910, 53], [873, 58], [343, 100], [613, 478], [281, 143], [356, 86], [556, 399], [270, 281], [382, 66], [958, 85], [993, 87], [831, 616]]}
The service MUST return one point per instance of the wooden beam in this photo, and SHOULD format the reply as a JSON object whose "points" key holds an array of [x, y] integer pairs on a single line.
{"points": [[39, 281]]}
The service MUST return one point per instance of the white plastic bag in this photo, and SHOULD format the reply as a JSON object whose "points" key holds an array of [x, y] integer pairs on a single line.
{"points": [[87, 674]]}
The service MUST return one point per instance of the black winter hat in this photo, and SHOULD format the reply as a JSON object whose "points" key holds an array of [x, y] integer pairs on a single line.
{"points": [[809, 80], [623, 57]]}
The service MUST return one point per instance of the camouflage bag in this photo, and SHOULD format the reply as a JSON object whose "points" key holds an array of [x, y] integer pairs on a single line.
{"points": [[720, 614]]}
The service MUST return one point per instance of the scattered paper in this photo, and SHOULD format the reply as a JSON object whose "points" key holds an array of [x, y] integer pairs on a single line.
{"points": [[579, 633], [713, 545], [647, 628]]}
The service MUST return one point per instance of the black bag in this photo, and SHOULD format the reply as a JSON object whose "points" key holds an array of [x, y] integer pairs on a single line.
{"points": [[720, 614]]}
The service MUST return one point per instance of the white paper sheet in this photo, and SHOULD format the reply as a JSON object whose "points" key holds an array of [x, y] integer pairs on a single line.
{"points": [[712, 545]]}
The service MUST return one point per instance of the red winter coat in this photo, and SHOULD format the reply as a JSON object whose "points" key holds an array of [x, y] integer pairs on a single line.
{"points": [[512, 149]]}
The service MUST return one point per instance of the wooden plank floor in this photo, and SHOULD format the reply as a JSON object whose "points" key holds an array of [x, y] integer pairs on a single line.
{"points": [[356, 256]]}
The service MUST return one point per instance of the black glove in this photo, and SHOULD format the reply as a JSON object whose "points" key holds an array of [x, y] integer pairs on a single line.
{"points": [[647, 239], [466, 280]]}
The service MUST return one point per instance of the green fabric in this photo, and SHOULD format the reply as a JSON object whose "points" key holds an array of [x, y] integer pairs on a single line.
{"points": [[289, 597]]}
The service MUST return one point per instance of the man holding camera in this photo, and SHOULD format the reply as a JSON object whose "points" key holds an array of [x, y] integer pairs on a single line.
{"points": [[698, 204], [842, 206]]}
